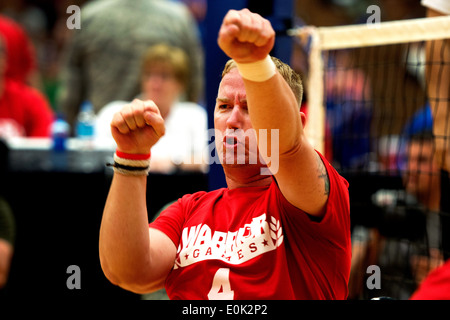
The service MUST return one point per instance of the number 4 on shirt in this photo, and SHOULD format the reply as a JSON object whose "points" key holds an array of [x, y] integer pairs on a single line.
{"points": [[221, 289]]}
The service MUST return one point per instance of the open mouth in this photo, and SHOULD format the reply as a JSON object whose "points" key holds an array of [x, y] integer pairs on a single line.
{"points": [[230, 141]]}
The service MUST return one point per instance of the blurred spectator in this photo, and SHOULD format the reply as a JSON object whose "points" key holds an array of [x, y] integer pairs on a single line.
{"points": [[7, 223], [30, 17], [24, 111], [349, 112], [438, 87], [422, 173], [103, 57], [330, 12], [50, 56], [7, 236], [164, 76], [423, 180], [407, 241], [436, 286], [20, 54], [198, 9]]}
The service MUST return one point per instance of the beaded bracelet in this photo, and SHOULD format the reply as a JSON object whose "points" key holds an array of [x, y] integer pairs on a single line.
{"points": [[131, 164]]}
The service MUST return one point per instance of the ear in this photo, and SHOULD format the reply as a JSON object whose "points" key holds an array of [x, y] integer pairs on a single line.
{"points": [[303, 117]]}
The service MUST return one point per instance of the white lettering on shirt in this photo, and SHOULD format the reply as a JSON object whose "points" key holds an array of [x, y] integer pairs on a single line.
{"points": [[199, 243]]}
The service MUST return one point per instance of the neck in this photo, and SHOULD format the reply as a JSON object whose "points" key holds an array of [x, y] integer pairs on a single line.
{"points": [[431, 199], [240, 177], [165, 112]]}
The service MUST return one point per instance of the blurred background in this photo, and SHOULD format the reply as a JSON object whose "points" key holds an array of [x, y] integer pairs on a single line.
{"points": [[62, 69]]}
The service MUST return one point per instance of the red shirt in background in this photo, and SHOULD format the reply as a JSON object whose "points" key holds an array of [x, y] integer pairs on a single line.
{"points": [[20, 53], [24, 112], [436, 285]]}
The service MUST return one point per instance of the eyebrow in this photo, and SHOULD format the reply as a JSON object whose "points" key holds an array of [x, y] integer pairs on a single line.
{"points": [[226, 100], [223, 100]]}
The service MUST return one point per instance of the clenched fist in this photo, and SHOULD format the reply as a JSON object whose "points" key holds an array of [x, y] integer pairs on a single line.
{"points": [[245, 36], [137, 127]]}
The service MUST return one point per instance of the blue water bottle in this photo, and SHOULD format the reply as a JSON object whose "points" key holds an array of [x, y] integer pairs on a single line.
{"points": [[60, 133], [85, 125]]}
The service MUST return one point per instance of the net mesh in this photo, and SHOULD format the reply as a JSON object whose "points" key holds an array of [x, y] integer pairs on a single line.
{"points": [[370, 111]]}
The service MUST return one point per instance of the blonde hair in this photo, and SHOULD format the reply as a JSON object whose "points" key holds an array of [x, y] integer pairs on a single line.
{"points": [[173, 57], [292, 78]]}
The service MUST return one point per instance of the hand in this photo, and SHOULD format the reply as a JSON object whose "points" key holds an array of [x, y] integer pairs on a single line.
{"points": [[137, 127], [245, 36]]}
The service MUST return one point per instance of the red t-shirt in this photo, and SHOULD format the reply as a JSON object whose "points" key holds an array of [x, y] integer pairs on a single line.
{"points": [[436, 285], [251, 243], [20, 53], [24, 112]]}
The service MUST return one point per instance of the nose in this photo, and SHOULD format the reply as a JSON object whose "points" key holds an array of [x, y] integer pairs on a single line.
{"points": [[235, 120]]}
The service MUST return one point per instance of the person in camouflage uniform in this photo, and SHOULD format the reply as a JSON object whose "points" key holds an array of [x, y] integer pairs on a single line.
{"points": [[102, 61]]}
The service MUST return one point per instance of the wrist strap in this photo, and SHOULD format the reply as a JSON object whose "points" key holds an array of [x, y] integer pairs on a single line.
{"points": [[258, 71], [133, 156], [131, 164]]}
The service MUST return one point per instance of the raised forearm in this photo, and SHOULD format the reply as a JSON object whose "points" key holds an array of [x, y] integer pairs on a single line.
{"points": [[248, 38], [272, 106], [124, 235], [133, 255]]}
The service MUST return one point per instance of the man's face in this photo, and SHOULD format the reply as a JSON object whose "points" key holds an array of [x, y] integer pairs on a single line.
{"points": [[159, 84], [235, 139], [421, 171]]}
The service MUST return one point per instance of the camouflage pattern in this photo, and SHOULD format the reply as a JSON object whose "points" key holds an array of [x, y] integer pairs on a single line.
{"points": [[103, 59]]}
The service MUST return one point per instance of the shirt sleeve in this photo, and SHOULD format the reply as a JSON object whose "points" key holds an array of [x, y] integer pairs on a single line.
{"points": [[335, 224], [171, 220], [323, 246]]}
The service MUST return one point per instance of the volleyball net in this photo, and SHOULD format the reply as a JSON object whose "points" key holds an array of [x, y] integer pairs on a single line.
{"points": [[373, 94]]}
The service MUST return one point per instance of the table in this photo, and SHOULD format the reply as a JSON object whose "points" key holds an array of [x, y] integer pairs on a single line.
{"points": [[58, 199]]}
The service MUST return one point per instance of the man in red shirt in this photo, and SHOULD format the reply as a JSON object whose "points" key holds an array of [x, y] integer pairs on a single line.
{"points": [[20, 53], [24, 111], [283, 235]]}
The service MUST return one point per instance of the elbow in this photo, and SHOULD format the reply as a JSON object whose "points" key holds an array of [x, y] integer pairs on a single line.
{"points": [[131, 279], [140, 286], [295, 146], [290, 141], [109, 273]]}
